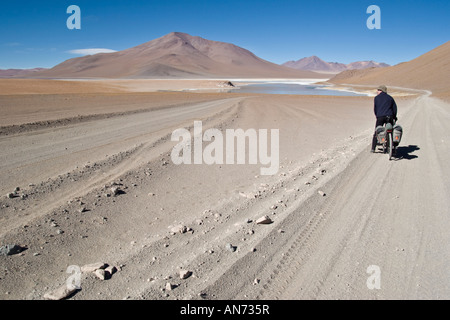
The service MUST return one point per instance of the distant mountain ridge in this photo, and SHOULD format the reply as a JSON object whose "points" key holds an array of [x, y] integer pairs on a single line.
{"points": [[175, 55], [430, 71], [12, 73], [316, 64]]}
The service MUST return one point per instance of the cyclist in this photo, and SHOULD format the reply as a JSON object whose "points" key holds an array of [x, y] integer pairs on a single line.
{"points": [[385, 110]]}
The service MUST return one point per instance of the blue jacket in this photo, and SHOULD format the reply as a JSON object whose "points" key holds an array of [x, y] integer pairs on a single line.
{"points": [[384, 105]]}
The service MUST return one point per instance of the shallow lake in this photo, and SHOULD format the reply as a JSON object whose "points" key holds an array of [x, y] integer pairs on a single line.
{"points": [[291, 88]]}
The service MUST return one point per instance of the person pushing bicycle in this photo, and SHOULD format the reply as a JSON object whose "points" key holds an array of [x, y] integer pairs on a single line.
{"points": [[385, 110]]}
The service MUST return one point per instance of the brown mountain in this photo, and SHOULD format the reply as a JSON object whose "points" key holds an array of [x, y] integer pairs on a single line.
{"points": [[17, 73], [429, 71], [175, 55], [316, 64]]}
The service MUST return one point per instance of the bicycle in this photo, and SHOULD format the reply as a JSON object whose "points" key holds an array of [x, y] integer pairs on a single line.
{"points": [[389, 136]]}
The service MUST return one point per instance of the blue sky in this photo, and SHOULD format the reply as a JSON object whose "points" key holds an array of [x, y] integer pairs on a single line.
{"points": [[34, 33]]}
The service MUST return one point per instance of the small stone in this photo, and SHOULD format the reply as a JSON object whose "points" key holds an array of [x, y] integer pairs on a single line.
{"points": [[264, 220], [115, 191], [230, 247], [10, 249], [179, 229], [100, 273], [184, 274], [169, 286], [61, 293], [93, 267], [10, 195], [323, 194]]}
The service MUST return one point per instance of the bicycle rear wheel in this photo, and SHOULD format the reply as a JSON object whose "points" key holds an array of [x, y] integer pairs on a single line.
{"points": [[390, 145]]}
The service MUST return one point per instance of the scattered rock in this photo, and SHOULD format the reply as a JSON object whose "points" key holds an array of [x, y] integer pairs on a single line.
{"points": [[10, 249], [115, 191], [323, 194], [10, 195], [184, 274], [111, 270], [93, 267], [100, 273], [248, 196], [61, 293], [169, 286], [230, 247], [264, 220], [179, 229]]}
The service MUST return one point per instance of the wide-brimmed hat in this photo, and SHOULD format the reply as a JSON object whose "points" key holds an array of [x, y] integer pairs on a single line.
{"points": [[382, 88]]}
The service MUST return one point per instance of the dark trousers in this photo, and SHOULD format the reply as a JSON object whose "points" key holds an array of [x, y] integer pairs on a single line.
{"points": [[380, 122]]}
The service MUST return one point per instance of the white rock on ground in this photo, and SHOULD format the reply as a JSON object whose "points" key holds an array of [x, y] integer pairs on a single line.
{"points": [[184, 274], [61, 293], [93, 267], [264, 220]]}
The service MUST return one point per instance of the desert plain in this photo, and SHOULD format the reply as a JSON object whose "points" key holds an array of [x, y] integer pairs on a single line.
{"points": [[87, 177]]}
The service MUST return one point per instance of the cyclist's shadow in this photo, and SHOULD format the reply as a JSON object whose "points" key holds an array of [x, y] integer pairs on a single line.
{"points": [[405, 152]]}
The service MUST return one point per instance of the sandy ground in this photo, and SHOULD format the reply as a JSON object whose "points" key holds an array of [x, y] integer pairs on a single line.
{"points": [[374, 212]]}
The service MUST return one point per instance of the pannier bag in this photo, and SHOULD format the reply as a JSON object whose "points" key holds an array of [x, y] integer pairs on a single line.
{"points": [[381, 134], [397, 134]]}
